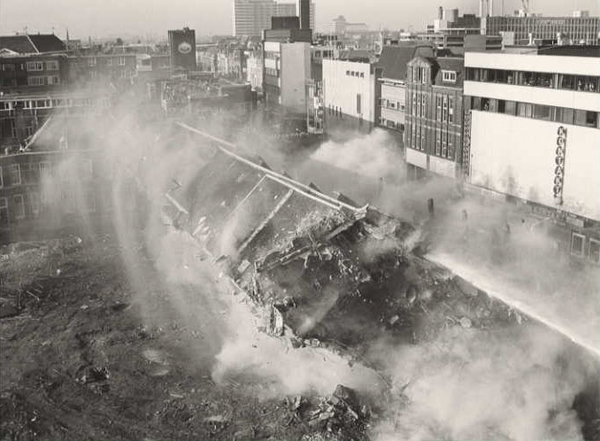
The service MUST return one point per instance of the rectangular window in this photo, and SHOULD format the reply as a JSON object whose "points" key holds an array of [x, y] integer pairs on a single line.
{"points": [[1, 178], [444, 144], [524, 109], [91, 61], [35, 66], [541, 112], [594, 253], [591, 119], [445, 110], [14, 172], [34, 201], [449, 76], [501, 106], [577, 243], [19, 202], [4, 218], [358, 103], [51, 65], [580, 117], [451, 109], [564, 115], [109, 61], [36, 81], [44, 167]]}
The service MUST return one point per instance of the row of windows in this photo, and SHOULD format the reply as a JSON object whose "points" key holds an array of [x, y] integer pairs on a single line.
{"points": [[43, 81], [17, 174], [391, 104], [323, 54], [444, 105], [53, 65], [449, 76], [390, 124], [123, 73], [69, 202], [537, 79], [55, 102], [92, 61], [537, 111], [416, 138], [444, 110], [35, 66], [271, 72], [578, 247], [353, 73]]}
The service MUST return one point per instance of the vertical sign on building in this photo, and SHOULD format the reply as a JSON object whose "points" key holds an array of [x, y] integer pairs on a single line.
{"points": [[559, 160], [182, 47]]}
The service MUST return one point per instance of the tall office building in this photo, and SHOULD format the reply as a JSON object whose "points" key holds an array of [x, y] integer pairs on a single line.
{"points": [[302, 6], [251, 17]]}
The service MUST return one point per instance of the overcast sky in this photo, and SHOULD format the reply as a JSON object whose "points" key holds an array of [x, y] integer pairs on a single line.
{"points": [[154, 17]]}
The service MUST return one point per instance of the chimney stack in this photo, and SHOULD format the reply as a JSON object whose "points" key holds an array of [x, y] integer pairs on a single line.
{"points": [[481, 9], [491, 9], [440, 13]]}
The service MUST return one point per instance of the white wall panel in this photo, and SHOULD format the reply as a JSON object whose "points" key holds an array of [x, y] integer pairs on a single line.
{"points": [[516, 156]]}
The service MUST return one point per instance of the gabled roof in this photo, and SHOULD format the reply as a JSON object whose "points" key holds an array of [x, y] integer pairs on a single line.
{"points": [[29, 44], [17, 43], [47, 43], [394, 59]]}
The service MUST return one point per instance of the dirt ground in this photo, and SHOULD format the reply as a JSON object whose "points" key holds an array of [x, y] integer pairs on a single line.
{"points": [[76, 361]]}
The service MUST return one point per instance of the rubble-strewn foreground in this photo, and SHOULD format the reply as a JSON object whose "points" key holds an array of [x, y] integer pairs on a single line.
{"points": [[263, 309]]}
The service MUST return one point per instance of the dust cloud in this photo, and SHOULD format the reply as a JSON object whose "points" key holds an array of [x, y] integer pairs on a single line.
{"points": [[509, 384], [144, 165], [467, 384]]}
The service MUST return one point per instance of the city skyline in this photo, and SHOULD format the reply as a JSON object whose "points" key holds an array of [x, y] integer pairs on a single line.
{"points": [[116, 18]]}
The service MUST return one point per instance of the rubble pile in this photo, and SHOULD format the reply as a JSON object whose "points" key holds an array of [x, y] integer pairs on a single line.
{"points": [[340, 416]]}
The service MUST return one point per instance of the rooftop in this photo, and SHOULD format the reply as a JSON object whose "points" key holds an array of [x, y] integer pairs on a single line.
{"points": [[26, 43], [394, 59]]}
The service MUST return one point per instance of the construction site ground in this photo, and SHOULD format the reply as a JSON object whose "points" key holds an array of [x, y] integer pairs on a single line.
{"points": [[76, 361]]}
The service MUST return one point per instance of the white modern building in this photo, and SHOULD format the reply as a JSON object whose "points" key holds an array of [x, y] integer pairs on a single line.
{"points": [[533, 130], [350, 93], [286, 74], [251, 17]]}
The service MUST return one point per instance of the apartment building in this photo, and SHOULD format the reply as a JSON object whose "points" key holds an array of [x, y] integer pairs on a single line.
{"points": [[394, 63], [23, 114], [33, 71], [533, 134], [434, 121]]}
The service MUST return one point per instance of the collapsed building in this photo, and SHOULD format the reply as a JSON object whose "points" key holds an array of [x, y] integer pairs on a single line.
{"points": [[324, 271]]}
